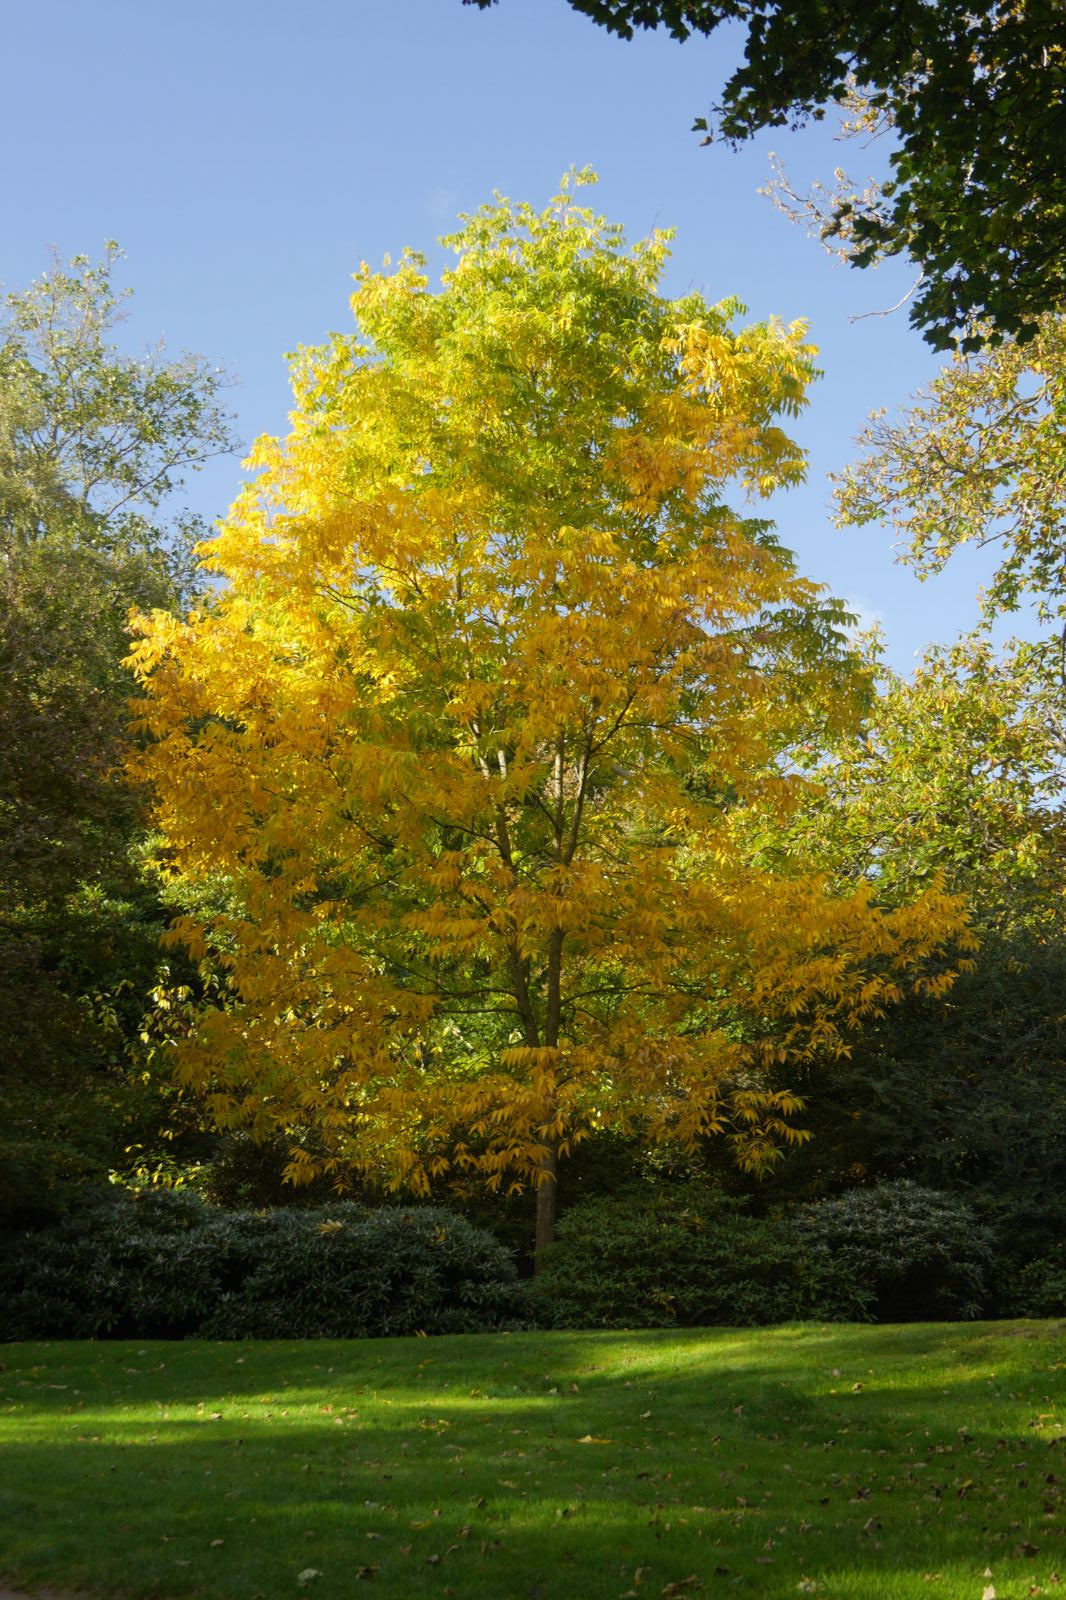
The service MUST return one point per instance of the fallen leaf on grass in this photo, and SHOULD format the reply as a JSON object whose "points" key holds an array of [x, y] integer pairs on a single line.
{"points": [[679, 1587], [308, 1575], [589, 1438]]}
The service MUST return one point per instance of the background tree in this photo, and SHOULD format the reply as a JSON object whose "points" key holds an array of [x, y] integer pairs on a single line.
{"points": [[976, 790], [958, 772], [980, 458], [476, 730], [976, 93], [93, 447]]}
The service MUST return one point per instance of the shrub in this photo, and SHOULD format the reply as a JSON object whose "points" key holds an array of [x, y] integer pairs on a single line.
{"points": [[686, 1257], [1037, 1288], [347, 1273], [921, 1255], [165, 1265], [139, 1266]]}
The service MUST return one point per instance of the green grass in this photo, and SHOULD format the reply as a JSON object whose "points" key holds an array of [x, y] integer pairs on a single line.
{"points": [[840, 1462]]}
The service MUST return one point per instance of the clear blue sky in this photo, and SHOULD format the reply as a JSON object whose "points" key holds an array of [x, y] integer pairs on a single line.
{"points": [[247, 156]]}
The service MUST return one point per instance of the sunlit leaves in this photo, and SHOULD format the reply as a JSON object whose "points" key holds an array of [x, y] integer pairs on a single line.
{"points": [[481, 728], [979, 459]]}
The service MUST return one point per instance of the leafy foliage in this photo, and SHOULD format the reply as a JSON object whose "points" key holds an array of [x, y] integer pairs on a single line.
{"points": [[1037, 1288], [342, 1273], [957, 772], [479, 732], [249, 1174], [975, 92], [688, 1257], [164, 1265], [965, 1094], [920, 1255], [93, 445], [978, 460]]}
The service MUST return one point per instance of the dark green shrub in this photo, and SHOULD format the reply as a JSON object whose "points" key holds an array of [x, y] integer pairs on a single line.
{"points": [[164, 1265], [138, 1266], [920, 1255], [347, 1273], [685, 1257], [1035, 1289]]}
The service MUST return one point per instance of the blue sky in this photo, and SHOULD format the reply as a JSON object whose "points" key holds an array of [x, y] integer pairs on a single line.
{"points": [[248, 156]]}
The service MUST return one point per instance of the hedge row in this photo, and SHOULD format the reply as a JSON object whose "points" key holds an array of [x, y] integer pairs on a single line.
{"points": [[166, 1265], [690, 1257]]}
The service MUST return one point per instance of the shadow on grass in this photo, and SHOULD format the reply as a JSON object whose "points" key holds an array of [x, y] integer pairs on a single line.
{"points": [[540, 1467]]}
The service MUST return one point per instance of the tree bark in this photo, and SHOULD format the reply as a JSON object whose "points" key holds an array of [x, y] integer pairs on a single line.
{"points": [[546, 1195]]}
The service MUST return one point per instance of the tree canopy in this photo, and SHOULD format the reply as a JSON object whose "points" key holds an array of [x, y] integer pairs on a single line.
{"points": [[957, 771], [976, 93], [94, 444], [978, 459], [475, 739]]}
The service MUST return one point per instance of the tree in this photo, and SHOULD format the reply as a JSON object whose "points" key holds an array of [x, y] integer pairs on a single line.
{"points": [[957, 772], [473, 740], [93, 447], [962, 773], [979, 459], [976, 93]]}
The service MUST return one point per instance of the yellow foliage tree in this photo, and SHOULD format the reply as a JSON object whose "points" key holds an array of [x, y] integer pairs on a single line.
{"points": [[477, 737]]}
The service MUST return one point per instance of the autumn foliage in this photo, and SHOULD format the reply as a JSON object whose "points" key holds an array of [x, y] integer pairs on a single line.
{"points": [[470, 763]]}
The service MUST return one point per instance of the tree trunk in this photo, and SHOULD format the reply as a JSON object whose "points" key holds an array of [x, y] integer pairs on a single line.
{"points": [[546, 1193]]}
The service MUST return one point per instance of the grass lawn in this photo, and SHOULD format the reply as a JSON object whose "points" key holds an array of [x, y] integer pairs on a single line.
{"points": [[839, 1462]]}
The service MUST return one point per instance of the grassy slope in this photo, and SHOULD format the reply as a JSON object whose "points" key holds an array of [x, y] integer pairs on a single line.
{"points": [[841, 1462]]}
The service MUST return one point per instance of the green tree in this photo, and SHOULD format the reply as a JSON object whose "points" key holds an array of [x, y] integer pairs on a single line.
{"points": [[93, 448], [976, 93], [958, 773], [980, 458]]}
